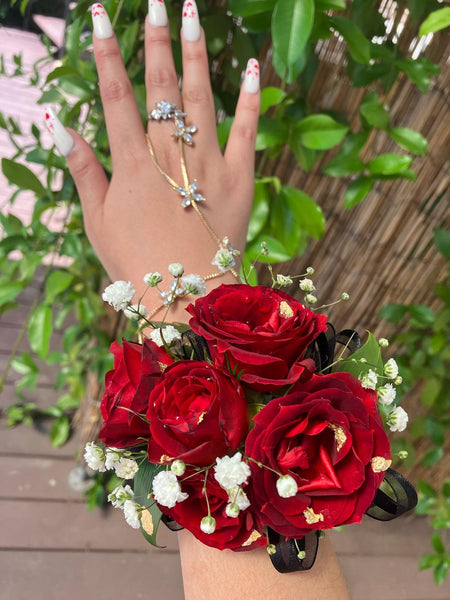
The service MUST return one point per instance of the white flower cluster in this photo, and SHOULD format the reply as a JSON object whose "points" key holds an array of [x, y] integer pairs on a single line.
{"points": [[397, 419], [231, 473], [194, 284], [369, 380], [169, 333], [119, 294], [99, 459], [223, 260], [167, 489], [123, 498]]}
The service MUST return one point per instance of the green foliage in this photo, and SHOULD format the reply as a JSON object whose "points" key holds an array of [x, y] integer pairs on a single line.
{"points": [[423, 361]]}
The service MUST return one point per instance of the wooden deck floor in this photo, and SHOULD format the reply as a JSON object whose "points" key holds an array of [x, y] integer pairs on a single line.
{"points": [[52, 548]]}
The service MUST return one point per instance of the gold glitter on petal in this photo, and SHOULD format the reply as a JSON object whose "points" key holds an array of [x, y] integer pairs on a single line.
{"points": [[201, 417], [380, 464], [147, 522], [339, 435], [311, 517], [255, 535], [164, 459], [162, 366], [285, 310]]}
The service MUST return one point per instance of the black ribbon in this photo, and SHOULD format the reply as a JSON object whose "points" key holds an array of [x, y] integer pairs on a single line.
{"points": [[293, 555], [395, 496]]}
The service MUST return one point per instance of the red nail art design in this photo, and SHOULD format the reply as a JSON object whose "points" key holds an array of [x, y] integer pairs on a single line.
{"points": [[49, 122], [252, 68], [98, 10], [189, 9]]}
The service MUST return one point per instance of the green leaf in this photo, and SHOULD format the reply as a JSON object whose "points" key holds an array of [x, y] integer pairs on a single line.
{"points": [[292, 23], [358, 45], [307, 214], [426, 489], [409, 140], [393, 312], [437, 543], [59, 433], [271, 96], [388, 164], [330, 4], [283, 226], [40, 330], [340, 166], [371, 354], [419, 71], [271, 133], [251, 274], [428, 395], [8, 291], [437, 20], [56, 283], [21, 176], [247, 8], [62, 71], [277, 252], [142, 488], [357, 191], [25, 364], [435, 430], [432, 457], [319, 132], [440, 572], [223, 131], [374, 112], [260, 210], [306, 158], [442, 241], [217, 27], [428, 561]]}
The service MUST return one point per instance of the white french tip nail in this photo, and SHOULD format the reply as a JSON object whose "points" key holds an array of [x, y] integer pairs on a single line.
{"points": [[157, 13], [191, 23], [100, 20], [251, 81], [62, 138]]}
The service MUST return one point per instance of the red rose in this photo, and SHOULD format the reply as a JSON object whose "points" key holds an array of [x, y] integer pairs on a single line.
{"points": [[127, 387], [233, 533], [258, 332], [328, 435], [196, 412]]}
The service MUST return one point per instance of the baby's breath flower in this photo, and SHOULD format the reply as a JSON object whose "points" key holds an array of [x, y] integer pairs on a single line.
{"points": [[383, 342], [386, 394], [194, 284], [126, 468], [369, 380], [310, 299], [178, 468], [391, 369], [271, 549], [232, 510], [306, 285], [223, 260], [345, 296], [208, 524], [134, 312], [152, 279], [119, 294], [169, 333], [120, 495], [131, 513], [286, 486], [238, 496], [301, 555], [95, 457], [283, 280], [167, 490], [398, 380], [403, 454], [310, 271], [176, 270], [231, 472], [265, 248], [112, 457], [397, 419]]}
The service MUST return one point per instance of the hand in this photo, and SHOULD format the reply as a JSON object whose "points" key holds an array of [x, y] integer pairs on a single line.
{"points": [[136, 223]]}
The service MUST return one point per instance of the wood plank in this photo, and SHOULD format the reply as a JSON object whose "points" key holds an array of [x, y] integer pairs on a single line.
{"points": [[90, 575], [43, 396], [27, 441], [49, 525], [37, 478], [376, 578], [405, 536]]}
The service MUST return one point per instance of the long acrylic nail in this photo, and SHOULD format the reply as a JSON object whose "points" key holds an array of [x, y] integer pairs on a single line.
{"points": [[157, 13], [62, 138], [251, 82], [102, 25], [191, 23]]}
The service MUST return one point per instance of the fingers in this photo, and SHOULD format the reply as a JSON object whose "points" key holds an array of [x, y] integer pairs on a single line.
{"points": [[198, 101], [240, 150], [160, 74], [123, 121]]}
